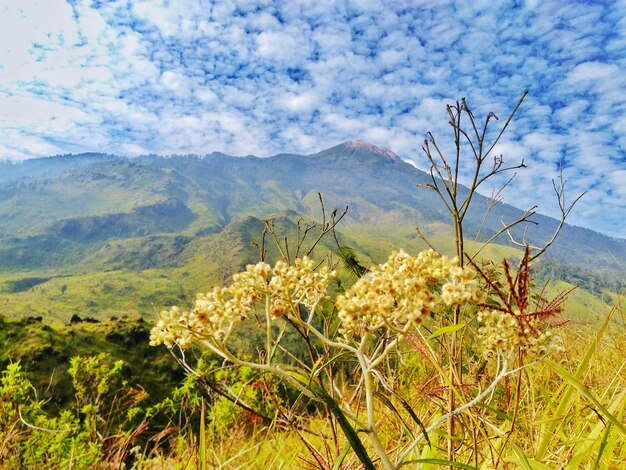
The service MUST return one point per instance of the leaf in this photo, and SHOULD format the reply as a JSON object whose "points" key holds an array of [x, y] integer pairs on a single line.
{"points": [[442, 462], [605, 439], [409, 410], [446, 329], [351, 262], [584, 446], [385, 401], [342, 457], [612, 441], [499, 413], [522, 460], [346, 427]]}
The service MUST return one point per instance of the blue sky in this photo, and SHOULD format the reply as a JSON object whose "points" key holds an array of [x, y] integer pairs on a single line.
{"points": [[133, 77]]}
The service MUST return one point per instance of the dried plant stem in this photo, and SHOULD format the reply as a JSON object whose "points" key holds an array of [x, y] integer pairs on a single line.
{"points": [[370, 406], [503, 372]]}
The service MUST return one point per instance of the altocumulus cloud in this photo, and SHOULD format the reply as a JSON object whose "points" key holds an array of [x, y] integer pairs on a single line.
{"points": [[133, 77]]}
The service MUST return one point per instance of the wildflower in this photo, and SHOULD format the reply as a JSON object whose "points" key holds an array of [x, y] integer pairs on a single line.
{"points": [[504, 332], [397, 294], [297, 284], [169, 331], [214, 314]]}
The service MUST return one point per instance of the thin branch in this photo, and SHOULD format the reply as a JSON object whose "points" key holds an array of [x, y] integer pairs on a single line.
{"points": [[565, 210], [425, 240], [508, 121], [507, 227], [327, 228]]}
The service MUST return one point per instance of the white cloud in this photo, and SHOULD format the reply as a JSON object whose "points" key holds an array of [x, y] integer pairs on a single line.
{"points": [[283, 46], [297, 103], [588, 72]]}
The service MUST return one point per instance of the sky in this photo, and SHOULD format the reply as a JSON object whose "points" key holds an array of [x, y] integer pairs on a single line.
{"points": [[241, 77]]}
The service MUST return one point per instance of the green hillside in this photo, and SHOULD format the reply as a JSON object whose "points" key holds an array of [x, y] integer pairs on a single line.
{"points": [[45, 352]]}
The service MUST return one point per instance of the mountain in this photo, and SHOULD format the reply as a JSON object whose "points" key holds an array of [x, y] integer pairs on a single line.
{"points": [[49, 166], [175, 222]]}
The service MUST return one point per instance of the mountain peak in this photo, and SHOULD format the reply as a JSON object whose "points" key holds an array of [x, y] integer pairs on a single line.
{"points": [[353, 148], [360, 145]]}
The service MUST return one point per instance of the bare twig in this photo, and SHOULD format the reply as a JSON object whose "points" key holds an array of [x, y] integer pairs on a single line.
{"points": [[563, 208]]}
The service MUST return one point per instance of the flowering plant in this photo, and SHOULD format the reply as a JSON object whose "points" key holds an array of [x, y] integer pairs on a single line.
{"points": [[387, 304]]}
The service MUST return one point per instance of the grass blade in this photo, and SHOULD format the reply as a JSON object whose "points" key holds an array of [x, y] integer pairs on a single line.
{"points": [[202, 452], [520, 455], [385, 401], [565, 399], [584, 391], [523, 461], [605, 439], [342, 457], [584, 446], [612, 442], [413, 415], [499, 413]]}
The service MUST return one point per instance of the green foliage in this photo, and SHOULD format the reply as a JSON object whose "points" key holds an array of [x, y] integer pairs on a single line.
{"points": [[94, 378], [351, 262], [258, 392], [30, 436], [45, 353], [111, 423]]}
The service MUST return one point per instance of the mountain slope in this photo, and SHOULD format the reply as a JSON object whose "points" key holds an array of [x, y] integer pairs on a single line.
{"points": [[187, 220], [190, 195]]}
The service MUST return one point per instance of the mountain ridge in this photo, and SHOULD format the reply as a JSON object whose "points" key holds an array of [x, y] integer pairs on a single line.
{"points": [[108, 236], [69, 162], [215, 189], [347, 148]]}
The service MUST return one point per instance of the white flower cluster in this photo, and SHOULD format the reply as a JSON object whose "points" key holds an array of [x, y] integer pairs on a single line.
{"points": [[300, 283], [283, 288], [503, 332], [398, 294]]}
